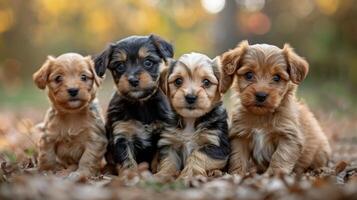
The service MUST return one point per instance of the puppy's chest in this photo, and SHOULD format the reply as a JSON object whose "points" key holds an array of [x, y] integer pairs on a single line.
{"points": [[69, 130], [188, 138], [70, 137], [263, 144], [147, 113]]}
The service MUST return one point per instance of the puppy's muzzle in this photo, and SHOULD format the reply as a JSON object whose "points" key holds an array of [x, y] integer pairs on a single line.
{"points": [[73, 92], [260, 97]]}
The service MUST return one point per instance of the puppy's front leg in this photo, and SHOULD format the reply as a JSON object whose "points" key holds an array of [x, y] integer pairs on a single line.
{"points": [[89, 163], [287, 152], [131, 142], [47, 154], [199, 163], [239, 158], [124, 153], [169, 162]]}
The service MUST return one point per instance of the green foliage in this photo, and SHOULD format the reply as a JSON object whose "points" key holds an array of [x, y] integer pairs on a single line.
{"points": [[9, 156], [30, 152]]}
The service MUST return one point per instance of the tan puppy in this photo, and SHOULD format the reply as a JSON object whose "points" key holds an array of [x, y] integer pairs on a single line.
{"points": [[73, 135], [199, 144], [269, 125]]}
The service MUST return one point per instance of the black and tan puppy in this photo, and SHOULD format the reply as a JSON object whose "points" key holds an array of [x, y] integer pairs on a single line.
{"points": [[139, 110], [199, 144]]}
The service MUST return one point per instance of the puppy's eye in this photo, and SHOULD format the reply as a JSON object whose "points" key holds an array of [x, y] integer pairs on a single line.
{"points": [[276, 78], [206, 83], [58, 79], [120, 66], [84, 77], [249, 76], [178, 82], [148, 63]]}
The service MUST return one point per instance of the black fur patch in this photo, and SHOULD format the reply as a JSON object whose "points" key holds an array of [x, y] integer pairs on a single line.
{"points": [[216, 120]]}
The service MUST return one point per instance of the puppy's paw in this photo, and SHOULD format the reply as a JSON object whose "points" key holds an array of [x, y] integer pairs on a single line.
{"points": [[193, 181], [78, 176], [186, 174], [237, 172], [185, 179], [50, 167], [167, 173], [162, 177], [215, 173], [66, 172], [74, 176], [63, 173], [276, 171]]}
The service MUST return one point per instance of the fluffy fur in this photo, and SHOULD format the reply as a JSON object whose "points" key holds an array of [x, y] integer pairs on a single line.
{"points": [[73, 136], [269, 125], [199, 143], [138, 112]]}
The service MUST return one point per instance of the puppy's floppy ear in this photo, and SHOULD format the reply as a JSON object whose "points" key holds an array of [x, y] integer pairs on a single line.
{"points": [[97, 79], [217, 73], [230, 61], [164, 75], [165, 49], [102, 61], [297, 66], [41, 76], [216, 62]]}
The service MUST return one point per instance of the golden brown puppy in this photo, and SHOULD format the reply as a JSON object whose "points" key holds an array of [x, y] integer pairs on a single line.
{"points": [[73, 135], [269, 125], [199, 144]]}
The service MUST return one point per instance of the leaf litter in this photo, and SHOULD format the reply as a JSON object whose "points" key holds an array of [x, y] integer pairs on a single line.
{"points": [[20, 179]]}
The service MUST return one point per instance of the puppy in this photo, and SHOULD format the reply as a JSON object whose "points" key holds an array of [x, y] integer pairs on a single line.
{"points": [[199, 144], [269, 125], [139, 111], [73, 135]]}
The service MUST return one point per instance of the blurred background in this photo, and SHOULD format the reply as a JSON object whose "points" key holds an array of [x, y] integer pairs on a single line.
{"points": [[323, 31]]}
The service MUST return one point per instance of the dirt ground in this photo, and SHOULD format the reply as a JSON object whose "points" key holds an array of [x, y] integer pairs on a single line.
{"points": [[19, 178]]}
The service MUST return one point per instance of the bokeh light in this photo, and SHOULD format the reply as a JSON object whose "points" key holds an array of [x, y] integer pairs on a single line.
{"points": [[213, 6], [256, 23], [303, 8], [328, 7], [251, 5], [6, 19]]}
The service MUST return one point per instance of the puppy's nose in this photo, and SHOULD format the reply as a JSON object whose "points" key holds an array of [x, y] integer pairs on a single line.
{"points": [[190, 98], [73, 92], [133, 81], [260, 96]]}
